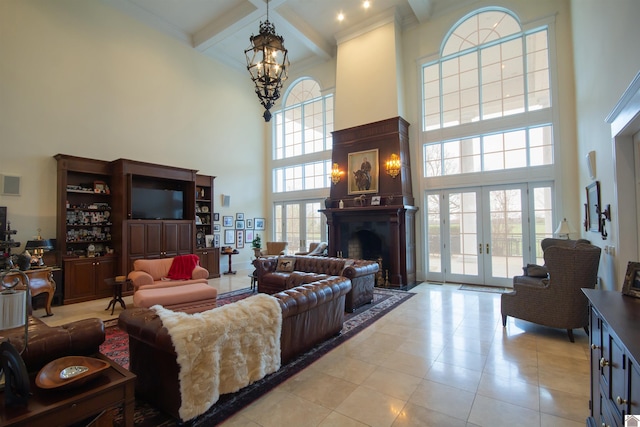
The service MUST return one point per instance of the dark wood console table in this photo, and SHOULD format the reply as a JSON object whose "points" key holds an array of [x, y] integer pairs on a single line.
{"points": [[614, 337], [40, 282], [47, 408]]}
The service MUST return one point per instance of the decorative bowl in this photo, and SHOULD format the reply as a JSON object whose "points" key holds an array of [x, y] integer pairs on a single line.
{"points": [[69, 371]]}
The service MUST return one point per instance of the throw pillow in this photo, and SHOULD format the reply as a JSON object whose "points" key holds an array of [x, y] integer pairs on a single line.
{"points": [[533, 270], [285, 264]]}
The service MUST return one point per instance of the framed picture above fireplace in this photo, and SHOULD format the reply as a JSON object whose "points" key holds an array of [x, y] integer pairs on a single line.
{"points": [[363, 172]]}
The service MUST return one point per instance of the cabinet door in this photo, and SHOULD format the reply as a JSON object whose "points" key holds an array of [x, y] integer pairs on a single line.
{"points": [[178, 238], [618, 383], [79, 284], [595, 338], [210, 259], [153, 242], [137, 240], [634, 388], [105, 268]]}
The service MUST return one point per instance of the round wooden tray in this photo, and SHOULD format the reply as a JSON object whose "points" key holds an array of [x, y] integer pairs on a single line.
{"points": [[49, 376]]}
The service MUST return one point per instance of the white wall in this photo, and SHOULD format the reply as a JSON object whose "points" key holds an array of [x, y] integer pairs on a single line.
{"points": [[79, 78], [605, 44]]}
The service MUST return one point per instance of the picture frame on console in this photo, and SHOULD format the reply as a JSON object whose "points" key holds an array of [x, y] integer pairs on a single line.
{"points": [[363, 173], [631, 285]]}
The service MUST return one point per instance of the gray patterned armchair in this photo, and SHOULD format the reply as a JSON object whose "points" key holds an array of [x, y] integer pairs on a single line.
{"points": [[557, 302]]}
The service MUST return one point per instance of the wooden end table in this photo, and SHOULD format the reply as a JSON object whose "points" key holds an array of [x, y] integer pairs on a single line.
{"points": [[46, 408]]}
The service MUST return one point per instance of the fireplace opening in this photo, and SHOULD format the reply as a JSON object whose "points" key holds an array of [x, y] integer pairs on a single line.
{"points": [[367, 240]]}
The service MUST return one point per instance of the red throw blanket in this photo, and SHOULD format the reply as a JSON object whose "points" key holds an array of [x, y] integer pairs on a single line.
{"points": [[182, 266]]}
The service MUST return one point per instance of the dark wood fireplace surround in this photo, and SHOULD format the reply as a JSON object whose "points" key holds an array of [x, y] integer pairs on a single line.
{"points": [[385, 231]]}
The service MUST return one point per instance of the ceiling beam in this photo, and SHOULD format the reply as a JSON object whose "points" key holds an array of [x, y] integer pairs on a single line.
{"points": [[422, 9]]}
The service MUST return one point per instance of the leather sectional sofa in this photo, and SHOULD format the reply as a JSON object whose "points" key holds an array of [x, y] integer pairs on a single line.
{"points": [[311, 314], [306, 269], [46, 343]]}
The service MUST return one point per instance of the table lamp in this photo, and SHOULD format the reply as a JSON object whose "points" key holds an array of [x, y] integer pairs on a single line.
{"points": [[563, 229], [37, 248], [14, 313]]}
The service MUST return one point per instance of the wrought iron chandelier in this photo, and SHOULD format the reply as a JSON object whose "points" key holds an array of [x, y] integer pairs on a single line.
{"points": [[268, 63]]}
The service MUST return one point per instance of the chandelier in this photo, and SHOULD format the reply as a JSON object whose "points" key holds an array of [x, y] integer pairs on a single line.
{"points": [[267, 62]]}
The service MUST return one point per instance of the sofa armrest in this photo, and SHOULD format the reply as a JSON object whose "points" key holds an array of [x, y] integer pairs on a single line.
{"points": [[139, 278], [200, 273], [304, 297], [265, 265], [362, 268]]}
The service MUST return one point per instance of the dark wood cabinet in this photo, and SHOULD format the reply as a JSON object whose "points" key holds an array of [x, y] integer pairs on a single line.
{"points": [[84, 278], [210, 259], [615, 350], [158, 239]]}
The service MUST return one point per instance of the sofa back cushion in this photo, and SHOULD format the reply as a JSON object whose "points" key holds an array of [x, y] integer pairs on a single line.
{"points": [[322, 265], [157, 268]]}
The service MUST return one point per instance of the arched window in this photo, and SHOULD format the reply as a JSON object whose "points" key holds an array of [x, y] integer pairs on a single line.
{"points": [[301, 163], [490, 77]]}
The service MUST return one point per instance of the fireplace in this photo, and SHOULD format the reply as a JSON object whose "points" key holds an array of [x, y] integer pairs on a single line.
{"points": [[383, 231]]}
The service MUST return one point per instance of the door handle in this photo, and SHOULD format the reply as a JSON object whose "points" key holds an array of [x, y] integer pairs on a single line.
{"points": [[480, 248], [487, 248]]}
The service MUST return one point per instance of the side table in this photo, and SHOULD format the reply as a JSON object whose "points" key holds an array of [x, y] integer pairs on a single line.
{"points": [[117, 283], [235, 252], [46, 408]]}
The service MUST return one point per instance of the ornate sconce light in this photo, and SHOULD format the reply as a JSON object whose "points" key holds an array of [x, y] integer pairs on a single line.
{"points": [[336, 174], [393, 165], [267, 62]]}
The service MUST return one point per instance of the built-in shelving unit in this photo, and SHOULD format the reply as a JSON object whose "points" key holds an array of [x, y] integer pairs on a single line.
{"points": [[204, 214]]}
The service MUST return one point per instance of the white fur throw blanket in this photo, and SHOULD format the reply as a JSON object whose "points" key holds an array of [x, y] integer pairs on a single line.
{"points": [[223, 349]]}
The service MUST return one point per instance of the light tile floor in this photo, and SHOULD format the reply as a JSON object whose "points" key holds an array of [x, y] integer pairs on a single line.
{"points": [[442, 359]]}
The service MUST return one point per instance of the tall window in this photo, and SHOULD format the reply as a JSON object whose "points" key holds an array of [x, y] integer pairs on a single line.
{"points": [[488, 138], [490, 93], [301, 164]]}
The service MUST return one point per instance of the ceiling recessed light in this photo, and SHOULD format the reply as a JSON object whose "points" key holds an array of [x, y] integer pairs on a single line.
{"points": [[340, 17], [366, 4]]}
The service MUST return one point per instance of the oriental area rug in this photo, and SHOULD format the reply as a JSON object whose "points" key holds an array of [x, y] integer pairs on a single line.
{"points": [[116, 347]]}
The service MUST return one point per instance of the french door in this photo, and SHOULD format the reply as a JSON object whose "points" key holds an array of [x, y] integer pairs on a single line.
{"points": [[299, 223], [484, 235]]}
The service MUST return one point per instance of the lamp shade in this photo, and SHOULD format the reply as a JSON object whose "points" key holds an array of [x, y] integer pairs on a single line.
{"points": [[13, 309], [563, 229]]}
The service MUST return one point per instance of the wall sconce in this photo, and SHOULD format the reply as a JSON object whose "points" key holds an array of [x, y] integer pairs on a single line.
{"points": [[393, 165], [336, 174]]}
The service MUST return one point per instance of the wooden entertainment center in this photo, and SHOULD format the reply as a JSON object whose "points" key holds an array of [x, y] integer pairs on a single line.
{"points": [[111, 213]]}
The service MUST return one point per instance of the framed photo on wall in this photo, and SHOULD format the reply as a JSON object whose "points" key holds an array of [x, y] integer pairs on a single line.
{"points": [[248, 236], [239, 239], [229, 236], [258, 223], [248, 223], [240, 216], [239, 224], [227, 221], [216, 228], [216, 216], [363, 173], [216, 240]]}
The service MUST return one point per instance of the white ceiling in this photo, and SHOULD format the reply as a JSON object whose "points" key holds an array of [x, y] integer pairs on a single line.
{"points": [[221, 28]]}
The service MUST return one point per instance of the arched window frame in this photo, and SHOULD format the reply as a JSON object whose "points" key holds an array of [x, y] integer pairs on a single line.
{"points": [[526, 120]]}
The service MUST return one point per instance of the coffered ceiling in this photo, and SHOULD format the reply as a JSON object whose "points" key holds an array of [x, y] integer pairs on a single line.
{"points": [[221, 28]]}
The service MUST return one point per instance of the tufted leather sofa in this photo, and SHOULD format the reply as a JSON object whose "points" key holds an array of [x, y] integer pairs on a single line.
{"points": [[46, 343], [311, 313], [308, 269]]}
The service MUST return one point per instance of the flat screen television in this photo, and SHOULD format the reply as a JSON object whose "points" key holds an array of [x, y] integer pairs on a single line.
{"points": [[155, 203]]}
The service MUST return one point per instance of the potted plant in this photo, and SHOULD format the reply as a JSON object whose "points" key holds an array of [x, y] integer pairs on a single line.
{"points": [[256, 244]]}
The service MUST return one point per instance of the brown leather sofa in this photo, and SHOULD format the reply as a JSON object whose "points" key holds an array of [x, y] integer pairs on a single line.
{"points": [[47, 343], [311, 314], [308, 269]]}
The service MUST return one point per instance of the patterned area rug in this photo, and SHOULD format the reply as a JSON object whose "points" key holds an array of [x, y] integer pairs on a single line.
{"points": [[116, 347]]}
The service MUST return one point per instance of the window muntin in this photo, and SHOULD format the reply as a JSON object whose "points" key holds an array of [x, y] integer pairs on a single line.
{"points": [[532, 146], [507, 77], [306, 176]]}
